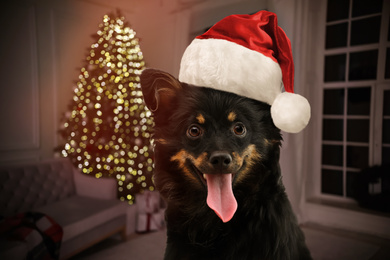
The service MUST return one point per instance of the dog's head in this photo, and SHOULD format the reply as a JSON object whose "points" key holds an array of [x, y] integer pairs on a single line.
{"points": [[211, 146]]}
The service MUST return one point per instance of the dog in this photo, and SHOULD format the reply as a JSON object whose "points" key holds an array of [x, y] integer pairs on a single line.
{"points": [[217, 168]]}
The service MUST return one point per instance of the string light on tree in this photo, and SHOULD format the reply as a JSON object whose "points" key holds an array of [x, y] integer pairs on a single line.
{"points": [[108, 129]]}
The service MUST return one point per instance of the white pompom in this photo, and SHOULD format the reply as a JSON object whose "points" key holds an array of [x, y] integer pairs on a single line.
{"points": [[290, 112]]}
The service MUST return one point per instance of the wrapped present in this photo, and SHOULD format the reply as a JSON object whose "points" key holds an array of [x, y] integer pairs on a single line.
{"points": [[147, 222], [150, 216], [148, 202]]}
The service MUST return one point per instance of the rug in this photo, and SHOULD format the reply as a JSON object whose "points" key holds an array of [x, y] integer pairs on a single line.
{"points": [[323, 246], [149, 246]]}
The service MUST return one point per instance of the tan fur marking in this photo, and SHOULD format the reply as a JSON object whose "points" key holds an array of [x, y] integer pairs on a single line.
{"points": [[238, 158], [251, 155], [201, 159], [271, 142], [181, 158], [161, 141], [232, 116], [201, 119]]}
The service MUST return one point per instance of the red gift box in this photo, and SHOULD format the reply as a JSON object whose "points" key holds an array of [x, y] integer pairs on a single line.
{"points": [[150, 216], [147, 222]]}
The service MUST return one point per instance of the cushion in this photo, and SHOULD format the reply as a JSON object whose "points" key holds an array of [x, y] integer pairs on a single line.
{"points": [[79, 214], [25, 187]]}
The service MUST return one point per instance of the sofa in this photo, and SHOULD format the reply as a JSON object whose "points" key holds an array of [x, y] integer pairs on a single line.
{"points": [[84, 207]]}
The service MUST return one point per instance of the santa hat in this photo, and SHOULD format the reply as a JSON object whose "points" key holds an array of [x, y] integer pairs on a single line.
{"points": [[249, 55]]}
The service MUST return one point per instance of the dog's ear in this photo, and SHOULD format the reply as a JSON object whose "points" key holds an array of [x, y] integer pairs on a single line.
{"points": [[159, 88]]}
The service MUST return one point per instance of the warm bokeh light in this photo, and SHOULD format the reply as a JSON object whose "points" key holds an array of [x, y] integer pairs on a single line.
{"points": [[108, 128]]}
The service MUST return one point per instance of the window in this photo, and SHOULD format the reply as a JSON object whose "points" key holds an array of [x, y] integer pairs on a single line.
{"points": [[356, 94]]}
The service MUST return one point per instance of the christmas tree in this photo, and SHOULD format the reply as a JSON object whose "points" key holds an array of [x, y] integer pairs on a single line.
{"points": [[108, 129]]}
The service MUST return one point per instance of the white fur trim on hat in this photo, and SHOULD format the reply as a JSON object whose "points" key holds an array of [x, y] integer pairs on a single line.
{"points": [[227, 66], [290, 112]]}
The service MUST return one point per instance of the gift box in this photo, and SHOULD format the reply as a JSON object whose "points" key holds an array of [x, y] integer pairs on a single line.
{"points": [[147, 222], [150, 215], [148, 202]]}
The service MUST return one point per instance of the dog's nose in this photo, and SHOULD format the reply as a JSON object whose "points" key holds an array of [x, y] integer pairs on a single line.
{"points": [[220, 159]]}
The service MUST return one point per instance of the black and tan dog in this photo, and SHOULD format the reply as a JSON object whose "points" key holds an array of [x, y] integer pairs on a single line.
{"points": [[217, 167]]}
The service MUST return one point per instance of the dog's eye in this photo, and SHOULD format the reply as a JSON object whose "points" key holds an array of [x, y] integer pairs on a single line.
{"points": [[194, 131], [239, 129]]}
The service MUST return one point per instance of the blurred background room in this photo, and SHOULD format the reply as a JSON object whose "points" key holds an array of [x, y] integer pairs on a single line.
{"points": [[70, 71]]}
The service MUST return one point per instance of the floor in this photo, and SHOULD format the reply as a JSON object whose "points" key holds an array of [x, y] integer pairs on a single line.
{"points": [[324, 244]]}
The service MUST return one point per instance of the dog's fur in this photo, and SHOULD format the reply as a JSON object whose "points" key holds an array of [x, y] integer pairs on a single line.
{"points": [[194, 123]]}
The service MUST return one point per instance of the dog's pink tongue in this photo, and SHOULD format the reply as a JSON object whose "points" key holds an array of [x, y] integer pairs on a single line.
{"points": [[220, 196]]}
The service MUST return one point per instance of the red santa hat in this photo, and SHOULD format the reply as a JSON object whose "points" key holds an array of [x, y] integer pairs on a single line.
{"points": [[249, 55]]}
